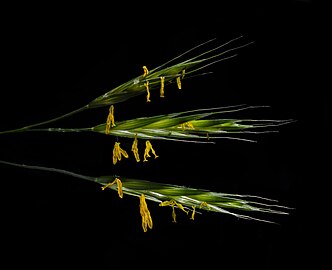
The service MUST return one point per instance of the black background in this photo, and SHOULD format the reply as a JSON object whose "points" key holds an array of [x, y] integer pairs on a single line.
{"points": [[58, 58]]}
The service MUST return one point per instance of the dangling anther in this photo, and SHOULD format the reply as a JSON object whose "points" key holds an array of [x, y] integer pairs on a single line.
{"points": [[118, 152], [173, 203], [147, 151], [146, 71], [119, 185], [134, 149], [178, 82], [162, 85], [145, 214], [148, 91], [110, 120], [193, 213]]}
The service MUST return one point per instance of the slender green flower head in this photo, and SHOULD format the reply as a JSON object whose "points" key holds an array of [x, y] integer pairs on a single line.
{"points": [[200, 125], [195, 126], [173, 71], [181, 199], [190, 200]]}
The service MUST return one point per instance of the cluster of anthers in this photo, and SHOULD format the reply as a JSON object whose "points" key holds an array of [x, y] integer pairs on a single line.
{"points": [[162, 83], [144, 211], [118, 152]]}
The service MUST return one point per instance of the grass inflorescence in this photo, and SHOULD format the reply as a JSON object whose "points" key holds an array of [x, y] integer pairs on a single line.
{"points": [[180, 198], [195, 126]]}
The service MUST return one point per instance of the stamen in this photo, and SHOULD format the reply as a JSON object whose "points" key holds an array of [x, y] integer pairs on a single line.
{"points": [[187, 125], [147, 151], [193, 213], [173, 203], [134, 149], [119, 185], [162, 86], [146, 72], [148, 91], [178, 82], [204, 204], [173, 214], [118, 152], [110, 120], [145, 214]]}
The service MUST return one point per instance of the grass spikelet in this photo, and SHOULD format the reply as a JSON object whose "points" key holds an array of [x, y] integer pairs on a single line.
{"points": [[186, 199], [171, 72], [201, 125]]}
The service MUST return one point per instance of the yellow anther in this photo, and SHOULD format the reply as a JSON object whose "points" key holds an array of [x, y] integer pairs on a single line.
{"points": [[134, 148], [118, 152], [178, 82], [173, 214], [147, 151], [204, 204], [187, 125], [193, 213], [146, 72], [173, 203], [119, 185], [167, 203], [110, 120], [148, 91], [145, 213], [162, 86]]}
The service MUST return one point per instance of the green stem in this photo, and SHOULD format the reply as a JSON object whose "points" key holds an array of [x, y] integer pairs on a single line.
{"points": [[49, 169], [26, 128]]}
